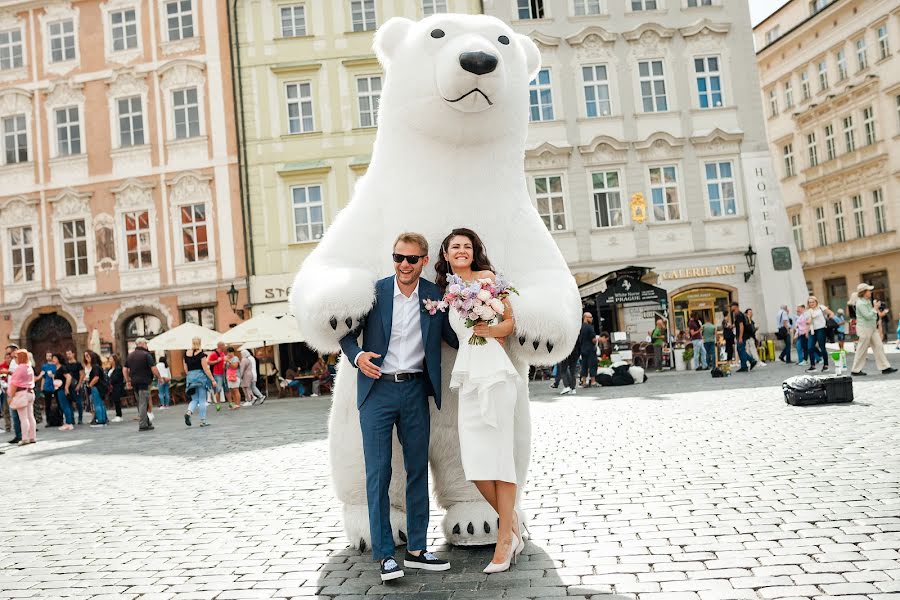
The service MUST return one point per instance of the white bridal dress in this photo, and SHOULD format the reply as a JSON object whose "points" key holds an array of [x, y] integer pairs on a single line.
{"points": [[486, 381]]}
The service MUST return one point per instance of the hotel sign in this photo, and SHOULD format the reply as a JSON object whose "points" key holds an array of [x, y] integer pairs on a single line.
{"points": [[699, 272]]}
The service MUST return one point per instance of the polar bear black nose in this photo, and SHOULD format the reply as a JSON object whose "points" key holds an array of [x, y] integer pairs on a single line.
{"points": [[478, 62]]}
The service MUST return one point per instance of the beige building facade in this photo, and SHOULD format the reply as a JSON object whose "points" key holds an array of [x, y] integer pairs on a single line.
{"points": [[119, 207], [830, 75], [308, 86], [657, 98]]}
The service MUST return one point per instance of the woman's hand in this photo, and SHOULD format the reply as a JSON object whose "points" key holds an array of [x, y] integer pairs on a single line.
{"points": [[482, 329]]}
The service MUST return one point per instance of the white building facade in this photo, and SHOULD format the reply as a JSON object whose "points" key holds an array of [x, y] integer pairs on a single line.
{"points": [[658, 98]]}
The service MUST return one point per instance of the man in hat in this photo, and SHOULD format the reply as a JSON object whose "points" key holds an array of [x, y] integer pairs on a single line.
{"points": [[867, 315]]}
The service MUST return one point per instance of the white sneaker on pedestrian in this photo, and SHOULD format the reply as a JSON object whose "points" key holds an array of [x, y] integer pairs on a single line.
{"points": [[117, 419], [802, 363], [571, 392], [565, 390], [246, 403], [150, 416]]}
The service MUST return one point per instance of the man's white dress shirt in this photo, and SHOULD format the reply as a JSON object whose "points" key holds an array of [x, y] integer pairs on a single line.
{"points": [[406, 349]]}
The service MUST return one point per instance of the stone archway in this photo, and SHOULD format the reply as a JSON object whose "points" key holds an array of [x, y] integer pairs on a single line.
{"points": [[49, 332]]}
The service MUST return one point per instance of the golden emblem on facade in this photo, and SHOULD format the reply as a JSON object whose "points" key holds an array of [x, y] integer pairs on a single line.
{"points": [[638, 208]]}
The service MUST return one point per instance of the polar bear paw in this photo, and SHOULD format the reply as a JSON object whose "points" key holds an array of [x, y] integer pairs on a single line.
{"points": [[470, 524], [356, 526], [329, 303]]}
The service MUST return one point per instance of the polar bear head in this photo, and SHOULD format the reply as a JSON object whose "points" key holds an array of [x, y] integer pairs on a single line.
{"points": [[455, 77]]}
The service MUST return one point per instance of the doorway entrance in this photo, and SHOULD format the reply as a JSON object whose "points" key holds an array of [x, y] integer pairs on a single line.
{"points": [[49, 333], [710, 303]]}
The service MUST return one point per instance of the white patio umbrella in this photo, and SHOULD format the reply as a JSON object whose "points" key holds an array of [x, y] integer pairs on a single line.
{"points": [[264, 330], [181, 337], [95, 341]]}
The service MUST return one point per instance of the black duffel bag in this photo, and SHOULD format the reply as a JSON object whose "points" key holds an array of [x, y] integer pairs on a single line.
{"points": [[805, 390]]}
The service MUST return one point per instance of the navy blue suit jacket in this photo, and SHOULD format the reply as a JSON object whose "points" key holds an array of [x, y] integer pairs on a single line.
{"points": [[376, 329]]}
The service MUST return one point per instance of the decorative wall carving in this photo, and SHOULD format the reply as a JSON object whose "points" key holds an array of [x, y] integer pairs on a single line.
{"points": [[105, 241], [133, 194], [547, 156], [14, 101], [64, 93], [659, 146], [126, 82], [717, 143], [650, 40], [604, 150], [19, 210], [190, 188], [70, 203], [181, 73]]}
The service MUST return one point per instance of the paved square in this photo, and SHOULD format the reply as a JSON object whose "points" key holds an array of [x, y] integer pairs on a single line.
{"points": [[683, 488]]}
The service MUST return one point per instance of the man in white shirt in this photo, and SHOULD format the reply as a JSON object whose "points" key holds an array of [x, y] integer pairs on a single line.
{"points": [[399, 367]]}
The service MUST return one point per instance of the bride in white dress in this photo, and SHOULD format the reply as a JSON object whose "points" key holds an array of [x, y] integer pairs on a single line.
{"points": [[486, 381]]}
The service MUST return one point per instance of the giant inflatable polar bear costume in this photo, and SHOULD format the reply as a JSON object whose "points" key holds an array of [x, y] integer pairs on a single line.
{"points": [[449, 153]]}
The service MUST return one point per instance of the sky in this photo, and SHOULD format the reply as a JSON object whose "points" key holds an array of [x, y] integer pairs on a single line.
{"points": [[760, 9]]}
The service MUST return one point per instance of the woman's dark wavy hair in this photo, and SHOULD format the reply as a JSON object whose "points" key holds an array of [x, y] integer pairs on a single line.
{"points": [[480, 261]]}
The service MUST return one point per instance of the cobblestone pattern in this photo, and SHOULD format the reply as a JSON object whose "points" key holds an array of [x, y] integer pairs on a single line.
{"points": [[650, 492]]}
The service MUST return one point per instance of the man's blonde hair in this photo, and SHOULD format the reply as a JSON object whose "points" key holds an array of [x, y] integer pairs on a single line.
{"points": [[411, 237]]}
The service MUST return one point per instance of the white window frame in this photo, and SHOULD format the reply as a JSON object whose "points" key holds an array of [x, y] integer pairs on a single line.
{"points": [[652, 79], [804, 85], [862, 55], [849, 134], [137, 232], [433, 7], [527, 10], [22, 248], [707, 76], [830, 148], [10, 46], [664, 188], [587, 8], [859, 215], [821, 226], [300, 100], [307, 207], [181, 15], [363, 15], [615, 191], [719, 182], [62, 36], [549, 196], [878, 211], [700, 3], [374, 99], [193, 225], [597, 87], [823, 75], [869, 125], [16, 134], [123, 27], [644, 5], [797, 231], [130, 116], [107, 9], [812, 149], [297, 16], [773, 103], [71, 130], [186, 108], [841, 59], [74, 240], [884, 42], [839, 226], [773, 34], [788, 153], [788, 94], [536, 86]]}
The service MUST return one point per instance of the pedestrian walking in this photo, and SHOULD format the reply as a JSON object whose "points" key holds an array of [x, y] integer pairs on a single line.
{"points": [[7, 368], [740, 332], [163, 383], [97, 386], [728, 336], [751, 344], [659, 337], [245, 374], [21, 392], [587, 346], [44, 383], [569, 377], [783, 325], [199, 382], [233, 379], [74, 391], [139, 371], [840, 332], [801, 333], [818, 315], [217, 360], [258, 396], [695, 331], [116, 385], [62, 381], [867, 315]]}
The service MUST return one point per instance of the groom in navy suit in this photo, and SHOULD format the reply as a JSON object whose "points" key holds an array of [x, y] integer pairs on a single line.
{"points": [[399, 367]]}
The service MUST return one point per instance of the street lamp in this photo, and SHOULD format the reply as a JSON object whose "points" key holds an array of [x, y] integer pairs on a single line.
{"points": [[233, 300], [750, 255]]}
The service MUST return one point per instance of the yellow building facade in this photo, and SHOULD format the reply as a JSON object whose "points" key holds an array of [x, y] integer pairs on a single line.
{"points": [[308, 86]]}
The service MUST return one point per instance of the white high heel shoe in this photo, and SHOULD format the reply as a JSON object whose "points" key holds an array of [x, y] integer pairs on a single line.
{"points": [[504, 566], [521, 546]]}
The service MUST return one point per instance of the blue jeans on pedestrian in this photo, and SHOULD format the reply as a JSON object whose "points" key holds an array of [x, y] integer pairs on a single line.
{"points": [[76, 398], [700, 352], [165, 397], [802, 348], [710, 349], [198, 403], [817, 338], [786, 351], [99, 407], [742, 354], [65, 405]]}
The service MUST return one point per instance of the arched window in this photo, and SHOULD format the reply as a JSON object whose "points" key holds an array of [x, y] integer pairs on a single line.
{"points": [[145, 325]]}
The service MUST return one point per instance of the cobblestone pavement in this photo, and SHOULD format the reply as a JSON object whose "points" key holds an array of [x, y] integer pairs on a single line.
{"points": [[682, 488]]}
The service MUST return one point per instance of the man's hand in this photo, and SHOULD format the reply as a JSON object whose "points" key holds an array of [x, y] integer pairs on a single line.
{"points": [[364, 362], [127, 385]]}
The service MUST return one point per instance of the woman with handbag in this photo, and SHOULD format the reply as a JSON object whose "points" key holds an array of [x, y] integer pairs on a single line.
{"points": [[818, 315], [21, 394]]}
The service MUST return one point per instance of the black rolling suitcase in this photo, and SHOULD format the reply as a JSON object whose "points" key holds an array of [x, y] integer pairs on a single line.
{"points": [[808, 390]]}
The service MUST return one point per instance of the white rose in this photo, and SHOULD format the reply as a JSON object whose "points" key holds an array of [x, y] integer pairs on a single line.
{"points": [[497, 305], [484, 295]]}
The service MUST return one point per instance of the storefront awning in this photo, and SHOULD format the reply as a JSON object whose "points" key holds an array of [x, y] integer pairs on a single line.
{"points": [[625, 290]]}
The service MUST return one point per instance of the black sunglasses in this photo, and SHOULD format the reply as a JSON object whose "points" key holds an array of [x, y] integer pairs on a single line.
{"points": [[410, 258]]}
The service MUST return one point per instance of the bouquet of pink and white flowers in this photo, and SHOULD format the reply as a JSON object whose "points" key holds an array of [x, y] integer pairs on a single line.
{"points": [[478, 302]]}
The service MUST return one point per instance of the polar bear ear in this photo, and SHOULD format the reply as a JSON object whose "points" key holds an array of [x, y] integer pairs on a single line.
{"points": [[389, 36], [532, 55]]}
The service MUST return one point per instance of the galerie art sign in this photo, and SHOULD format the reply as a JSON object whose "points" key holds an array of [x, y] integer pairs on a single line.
{"points": [[699, 272]]}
